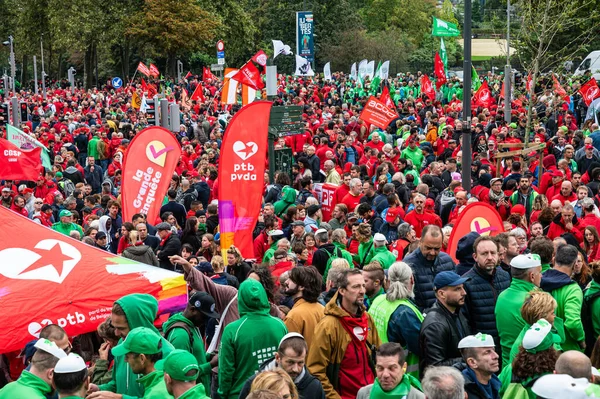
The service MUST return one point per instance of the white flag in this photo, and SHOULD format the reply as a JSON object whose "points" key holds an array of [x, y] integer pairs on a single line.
{"points": [[144, 107], [280, 48], [353, 71], [303, 67], [327, 71], [362, 68], [370, 69], [384, 71]]}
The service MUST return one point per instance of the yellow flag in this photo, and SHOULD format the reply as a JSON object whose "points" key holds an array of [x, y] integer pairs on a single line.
{"points": [[136, 101]]}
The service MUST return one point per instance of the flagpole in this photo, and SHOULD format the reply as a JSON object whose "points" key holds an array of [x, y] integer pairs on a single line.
{"points": [[466, 132], [133, 77]]}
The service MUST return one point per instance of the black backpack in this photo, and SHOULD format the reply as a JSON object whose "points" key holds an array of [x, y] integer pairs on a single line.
{"points": [[586, 320], [180, 324]]}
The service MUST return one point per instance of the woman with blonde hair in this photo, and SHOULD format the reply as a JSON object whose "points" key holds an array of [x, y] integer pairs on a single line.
{"points": [[236, 265], [276, 381]]}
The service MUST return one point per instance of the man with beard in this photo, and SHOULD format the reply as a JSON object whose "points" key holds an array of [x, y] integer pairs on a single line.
{"points": [[445, 325], [418, 218], [182, 330], [525, 196], [486, 282], [304, 287]]}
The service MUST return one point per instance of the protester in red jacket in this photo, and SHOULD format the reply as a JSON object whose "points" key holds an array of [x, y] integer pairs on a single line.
{"points": [[566, 222]]}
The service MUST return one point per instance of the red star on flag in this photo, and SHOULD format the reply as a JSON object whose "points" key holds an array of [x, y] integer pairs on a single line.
{"points": [[50, 257], [248, 150]]}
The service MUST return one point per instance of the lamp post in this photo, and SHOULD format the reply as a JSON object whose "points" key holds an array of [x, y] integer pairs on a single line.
{"points": [[43, 70], [13, 68], [466, 132], [507, 69]]}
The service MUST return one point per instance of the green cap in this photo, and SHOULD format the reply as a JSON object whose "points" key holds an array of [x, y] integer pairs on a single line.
{"points": [[64, 213], [513, 125], [139, 340], [178, 364]]}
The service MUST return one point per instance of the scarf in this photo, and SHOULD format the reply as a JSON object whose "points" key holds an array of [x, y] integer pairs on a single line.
{"points": [[401, 391], [496, 196], [164, 240]]}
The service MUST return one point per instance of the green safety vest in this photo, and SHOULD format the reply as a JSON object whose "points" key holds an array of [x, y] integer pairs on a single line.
{"points": [[381, 311]]}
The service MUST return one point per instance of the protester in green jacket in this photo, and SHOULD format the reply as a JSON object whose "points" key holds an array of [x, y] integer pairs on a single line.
{"points": [[273, 237], [288, 198], [568, 295], [181, 372], [365, 248], [414, 153], [92, 150], [66, 225], [526, 277], [36, 383], [181, 330], [593, 292], [381, 254], [249, 341], [129, 312], [142, 349], [338, 239]]}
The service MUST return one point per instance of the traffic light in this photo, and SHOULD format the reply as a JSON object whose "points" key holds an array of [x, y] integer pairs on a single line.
{"points": [[4, 116], [151, 113], [24, 112]]}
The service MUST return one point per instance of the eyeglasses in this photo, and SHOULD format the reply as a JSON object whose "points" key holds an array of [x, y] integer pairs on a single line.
{"points": [[40, 203]]}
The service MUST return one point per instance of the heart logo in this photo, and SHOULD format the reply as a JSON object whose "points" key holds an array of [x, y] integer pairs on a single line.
{"points": [[156, 152], [34, 329], [245, 150], [53, 261]]}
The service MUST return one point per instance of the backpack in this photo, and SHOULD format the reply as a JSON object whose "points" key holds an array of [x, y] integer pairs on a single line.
{"points": [[67, 187], [586, 320], [331, 257], [180, 324]]}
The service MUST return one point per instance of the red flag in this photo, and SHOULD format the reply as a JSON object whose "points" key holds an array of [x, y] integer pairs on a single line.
{"points": [[386, 99], [242, 164], [590, 91], [440, 74], [154, 70], [143, 69], [59, 268], [427, 87], [529, 82], [249, 75], [502, 90], [150, 159], [377, 113], [207, 75], [558, 88], [261, 59], [198, 94], [483, 95], [189, 75], [18, 164]]}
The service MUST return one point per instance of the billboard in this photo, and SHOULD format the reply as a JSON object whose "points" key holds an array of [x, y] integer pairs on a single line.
{"points": [[305, 42]]}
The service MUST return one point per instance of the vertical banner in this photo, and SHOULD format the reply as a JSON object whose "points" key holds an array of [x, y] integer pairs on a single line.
{"points": [[149, 164], [305, 42], [241, 175]]}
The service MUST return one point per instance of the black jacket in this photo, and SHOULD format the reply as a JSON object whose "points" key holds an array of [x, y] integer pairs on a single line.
{"points": [[178, 211], [424, 272], [309, 387], [315, 168], [322, 255], [240, 271], [482, 293], [211, 224], [440, 336], [152, 241], [464, 253], [171, 247]]}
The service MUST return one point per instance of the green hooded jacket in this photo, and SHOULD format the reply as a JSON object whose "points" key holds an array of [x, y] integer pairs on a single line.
{"points": [[595, 308], [180, 339], [197, 392], [362, 257], [249, 341], [66, 228], [140, 311], [416, 156], [154, 385], [383, 256], [93, 148], [345, 254], [269, 253], [27, 386], [288, 198], [508, 314]]}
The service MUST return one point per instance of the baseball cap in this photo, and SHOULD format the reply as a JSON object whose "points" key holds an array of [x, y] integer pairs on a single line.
{"points": [[205, 267], [447, 279], [312, 209], [518, 209], [526, 261], [378, 237], [27, 191], [64, 213], [59, 174], [139, 340], [274, 233], [48, 346], [557, 173], [513, 125], [539, 337], [392, 214], [6, 190], [201, 212], [589, 146], [494, 180], [352, 216], [72, 363], [178, 364], [163, 226], [100, 235], [205, 303], [477, 341], [555, 386]]}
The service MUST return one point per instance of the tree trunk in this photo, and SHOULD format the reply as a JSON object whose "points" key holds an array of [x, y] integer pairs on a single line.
{"points": [[88, 66]]}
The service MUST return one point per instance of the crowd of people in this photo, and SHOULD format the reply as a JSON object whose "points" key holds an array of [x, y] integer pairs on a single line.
{"points": [[365, 303]]}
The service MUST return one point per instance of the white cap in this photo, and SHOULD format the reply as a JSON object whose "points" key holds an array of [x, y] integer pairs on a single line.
{"points": [[559, 386], [379, 237], [70, 364], [48, 346], [526, 261], [321, 231], [477, 341], [288, 336], [536, 334], [275, 233]]}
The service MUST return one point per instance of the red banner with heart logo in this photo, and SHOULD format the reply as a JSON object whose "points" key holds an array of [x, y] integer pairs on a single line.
{"points": [[149, 164], [242, 174]]}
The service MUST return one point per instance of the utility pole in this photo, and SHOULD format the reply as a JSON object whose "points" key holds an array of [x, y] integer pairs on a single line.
{"points": [[507, 69], [466, 130], [43, 70], [35, 81], [13, 66]]}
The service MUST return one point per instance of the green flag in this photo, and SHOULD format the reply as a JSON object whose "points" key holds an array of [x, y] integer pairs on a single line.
{"points": [[475, 82], [25, 141], [443, 28], [376, 80], [443, 54]]}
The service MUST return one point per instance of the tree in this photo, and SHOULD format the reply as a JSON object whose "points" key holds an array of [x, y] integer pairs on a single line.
{"points": [[447, 12], [173, 28]]}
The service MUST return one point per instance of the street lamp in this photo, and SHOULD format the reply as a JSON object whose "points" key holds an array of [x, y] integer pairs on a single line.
{"points": [[13, 68], [507, 69]]}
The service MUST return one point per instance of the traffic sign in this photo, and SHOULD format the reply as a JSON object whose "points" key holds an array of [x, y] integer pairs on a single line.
{"points": [[117, 82], [216, 67], [286, 121], [220, 54], [220, 45]]}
